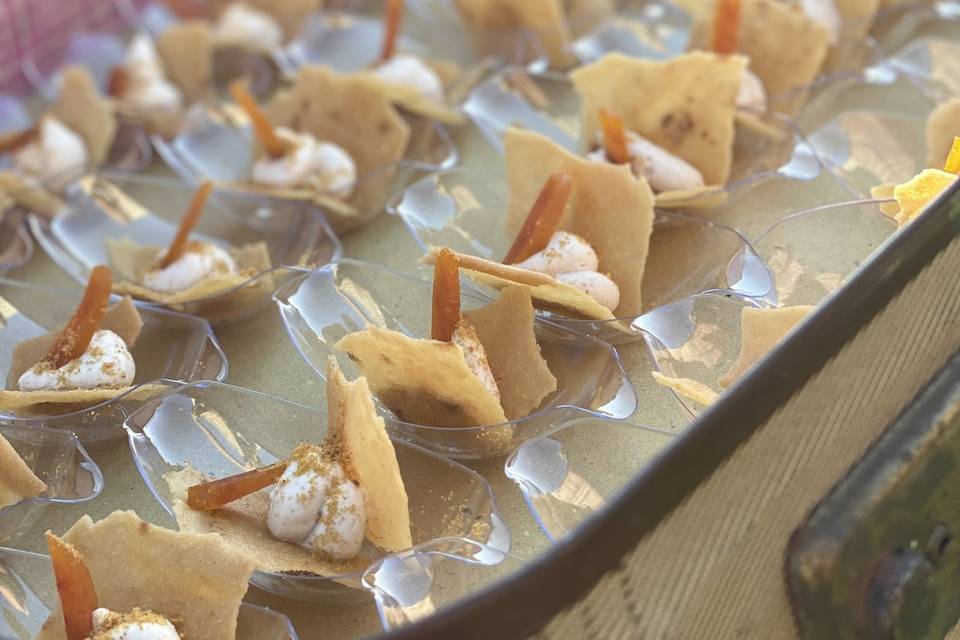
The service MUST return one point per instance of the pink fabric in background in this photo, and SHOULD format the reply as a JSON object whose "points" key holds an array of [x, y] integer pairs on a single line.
{"points": [[41, 30]]}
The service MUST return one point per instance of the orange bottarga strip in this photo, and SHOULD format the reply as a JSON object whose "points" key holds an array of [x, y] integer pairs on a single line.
{"points": [[272, 144], [118, 82], [187, 223], [76, 336], [216, 494], [392, 18], [16, 140], [543, 218], [446, 296], [726, 27], [614, 137], [78, 597], [952, 165]]}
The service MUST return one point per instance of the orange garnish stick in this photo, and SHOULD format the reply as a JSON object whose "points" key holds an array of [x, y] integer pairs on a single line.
{"points": [[76, 336], [726, 26], [78, 597], [118, 82], [16, 140], [392, 18], [446, 296], [543, 218], [272, 144], [614, 138], [216, 494], [952, 165], [187, 223]]}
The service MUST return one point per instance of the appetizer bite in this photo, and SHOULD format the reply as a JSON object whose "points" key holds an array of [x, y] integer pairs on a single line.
{"points": [[86, 362], [414, 84], [312, 512], [582, 232], [77, 132], [480, 368], [671, 121], [759, 29], [141, 90], [191, 270], [123, 578], [333, 139], [913, 197], [17, 481]]}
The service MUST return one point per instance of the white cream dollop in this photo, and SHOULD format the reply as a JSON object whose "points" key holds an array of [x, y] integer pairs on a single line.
{"points": [[199, 262], [321, 510], [108, 625], [410, 71], [571, 260], [106, 363], [149, 88], [825, 12], [55, 152], [465, 337], [662, 169], [242, 24], [752, 95], [323, 165]]}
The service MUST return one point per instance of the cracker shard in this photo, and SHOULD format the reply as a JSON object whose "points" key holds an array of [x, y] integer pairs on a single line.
{"points": [[368, 458], [685, 104], [425, 382], [609, 208], [186, 49], [760, 331], [914, 195], [506, 330], [17, 480], [80, 106], [545, 18], [194, 579]]}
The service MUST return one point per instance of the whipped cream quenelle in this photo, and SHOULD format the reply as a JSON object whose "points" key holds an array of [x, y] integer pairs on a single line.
{"points": [[308, 162], [752, 94], [106, 363], [571, 260], [242, 24], [316, 506], [56, 151], [465, 337], [411, 71], [662, 169], [826, 13], [199, 262], [136, 625], [149, 89]]}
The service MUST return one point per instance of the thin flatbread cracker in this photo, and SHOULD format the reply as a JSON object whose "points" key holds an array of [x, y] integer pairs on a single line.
{"points": [[197, 581], [886, 190], [505, 327], [687, 388], [186, 49], [545, 18], [130, 261], [609, 208], [368, 458], [17, 480], [685, 104], [347, 110], [80, 106], [943, 125], [412, 100], [29, 195], [243, 526], [760, 331], [425, 382], [122, 318], [916, 194], [786, 48]]}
